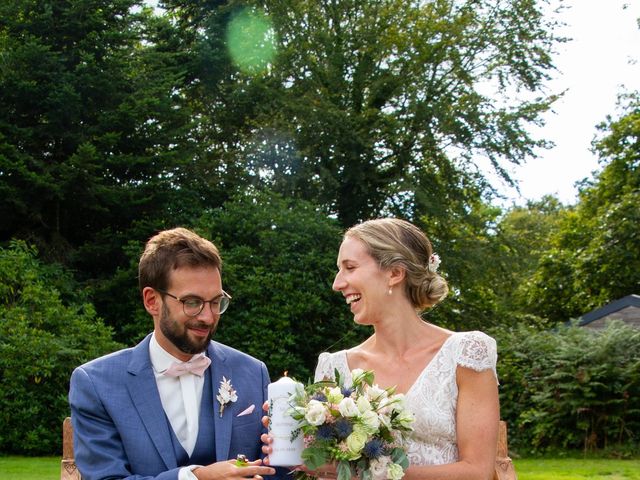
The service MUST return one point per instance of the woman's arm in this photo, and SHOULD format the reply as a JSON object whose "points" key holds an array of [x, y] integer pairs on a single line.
{"points": [[477, 417]]}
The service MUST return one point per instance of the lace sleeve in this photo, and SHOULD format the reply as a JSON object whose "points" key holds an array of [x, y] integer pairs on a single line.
{"points": [[324, 368], [328, 363], [478, 351]]}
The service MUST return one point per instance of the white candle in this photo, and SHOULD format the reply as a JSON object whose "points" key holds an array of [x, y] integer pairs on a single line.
{"points": [[285, 452]]}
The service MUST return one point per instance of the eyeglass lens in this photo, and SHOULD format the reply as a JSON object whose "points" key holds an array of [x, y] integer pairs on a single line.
{"points": [[193, 306]]}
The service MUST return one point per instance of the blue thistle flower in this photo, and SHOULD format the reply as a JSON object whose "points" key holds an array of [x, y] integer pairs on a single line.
{"points": [[343, 428], [346, 392], [325, 432], [373, 448], [321, 397]]}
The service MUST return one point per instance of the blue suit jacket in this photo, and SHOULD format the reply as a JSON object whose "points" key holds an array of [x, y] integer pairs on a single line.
{"points": [[121, 430]]}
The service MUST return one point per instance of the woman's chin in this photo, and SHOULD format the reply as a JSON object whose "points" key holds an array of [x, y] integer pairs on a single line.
{"points": [[360, 319]]}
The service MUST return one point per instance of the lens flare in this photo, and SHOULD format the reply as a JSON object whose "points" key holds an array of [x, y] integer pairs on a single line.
{"points": [[251, 41]]}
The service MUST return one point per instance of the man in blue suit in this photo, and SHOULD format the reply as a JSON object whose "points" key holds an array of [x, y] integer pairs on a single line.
{"points": [[178, 406]]}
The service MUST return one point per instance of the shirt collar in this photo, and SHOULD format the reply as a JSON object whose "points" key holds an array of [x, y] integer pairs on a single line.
{"points": [[160, 358]]}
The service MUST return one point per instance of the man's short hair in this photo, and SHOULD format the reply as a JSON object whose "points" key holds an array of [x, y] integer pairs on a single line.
{"points": [[172, 249]]}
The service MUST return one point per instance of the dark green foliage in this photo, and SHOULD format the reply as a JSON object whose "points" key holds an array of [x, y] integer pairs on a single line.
{"points": [[46, 330], [571, 387], [279, 262], [95, 143], [459, 232]]}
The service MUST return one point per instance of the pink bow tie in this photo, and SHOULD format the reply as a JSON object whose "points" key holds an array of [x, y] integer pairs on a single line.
{"points": [[196, 366]]}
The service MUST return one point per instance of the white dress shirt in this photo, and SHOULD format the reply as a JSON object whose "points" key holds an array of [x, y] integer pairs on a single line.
{"points": [[181, 397]]}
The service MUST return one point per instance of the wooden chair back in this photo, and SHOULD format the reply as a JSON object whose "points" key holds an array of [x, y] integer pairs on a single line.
{"points": [[504, 466], [68, 470]]}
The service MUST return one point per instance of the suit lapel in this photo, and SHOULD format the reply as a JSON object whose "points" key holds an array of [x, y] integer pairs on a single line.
{"points": [[143, 389], [220, 368]]}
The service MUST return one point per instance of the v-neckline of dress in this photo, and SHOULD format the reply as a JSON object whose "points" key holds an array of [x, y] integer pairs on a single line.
{"points": [[422, 372]]}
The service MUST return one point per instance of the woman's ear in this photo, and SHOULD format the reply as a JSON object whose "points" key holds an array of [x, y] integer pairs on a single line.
{"points": [[152, 301], [396, 275]]}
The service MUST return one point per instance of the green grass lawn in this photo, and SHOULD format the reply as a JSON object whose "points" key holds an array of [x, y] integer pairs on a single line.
{"points": [[30, 468], [48, 468], [576, 469]]}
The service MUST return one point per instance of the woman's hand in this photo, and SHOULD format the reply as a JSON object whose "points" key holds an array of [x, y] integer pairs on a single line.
{"points": [[328, 470]]}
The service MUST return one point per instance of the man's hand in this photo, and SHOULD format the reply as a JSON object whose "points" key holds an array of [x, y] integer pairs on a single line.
{"points": [[266, 438], [229, 470], [265, 419]]}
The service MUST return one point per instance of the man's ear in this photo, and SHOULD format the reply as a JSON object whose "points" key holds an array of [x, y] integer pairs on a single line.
{"points": [[397, 274], [152, 301]]}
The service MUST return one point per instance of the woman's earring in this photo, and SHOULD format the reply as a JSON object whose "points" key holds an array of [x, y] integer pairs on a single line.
{"points": [[390, 292]]}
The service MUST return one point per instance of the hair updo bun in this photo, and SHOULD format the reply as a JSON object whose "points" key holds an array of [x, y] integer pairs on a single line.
{"points": [[394, 242]]}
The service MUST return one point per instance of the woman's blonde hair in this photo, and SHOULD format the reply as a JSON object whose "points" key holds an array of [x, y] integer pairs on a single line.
{"points": [[395, 242]]}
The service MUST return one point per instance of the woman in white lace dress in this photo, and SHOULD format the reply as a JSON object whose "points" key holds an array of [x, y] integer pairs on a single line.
{"points": [[387, 273]]}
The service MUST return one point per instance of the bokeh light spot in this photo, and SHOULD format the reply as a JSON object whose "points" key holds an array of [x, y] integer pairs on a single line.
{"points": [[251, 41]]}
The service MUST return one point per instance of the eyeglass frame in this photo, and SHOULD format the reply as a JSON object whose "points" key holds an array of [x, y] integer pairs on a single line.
{"points": [[182, 300]]}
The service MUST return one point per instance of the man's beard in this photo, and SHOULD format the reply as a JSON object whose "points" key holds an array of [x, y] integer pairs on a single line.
{"points": [[177, 333]]}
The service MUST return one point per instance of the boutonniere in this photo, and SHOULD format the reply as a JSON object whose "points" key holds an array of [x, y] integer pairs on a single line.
{"points": [[226, 394]]}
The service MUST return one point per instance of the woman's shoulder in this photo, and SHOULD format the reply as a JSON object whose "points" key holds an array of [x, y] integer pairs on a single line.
{"points": [[474, 336]]}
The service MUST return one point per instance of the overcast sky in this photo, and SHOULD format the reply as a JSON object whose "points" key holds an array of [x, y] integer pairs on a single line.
{"points": [[592, 66]]}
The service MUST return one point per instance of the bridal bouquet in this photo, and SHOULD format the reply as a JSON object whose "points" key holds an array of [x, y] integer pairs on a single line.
{"points": [[362, 428]]}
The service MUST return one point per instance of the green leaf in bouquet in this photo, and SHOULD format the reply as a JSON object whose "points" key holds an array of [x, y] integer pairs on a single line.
{"points": [[314, 457], [385, 434], [399, 456], [368, 377], [365, 474], [316, 387], [344, 470], [362, 469]]}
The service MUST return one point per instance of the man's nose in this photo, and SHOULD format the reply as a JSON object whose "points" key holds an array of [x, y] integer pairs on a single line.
{"points": [[207, 313]]}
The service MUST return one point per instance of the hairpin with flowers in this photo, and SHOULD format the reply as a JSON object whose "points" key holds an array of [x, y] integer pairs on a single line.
{"points": [[434, 263]]}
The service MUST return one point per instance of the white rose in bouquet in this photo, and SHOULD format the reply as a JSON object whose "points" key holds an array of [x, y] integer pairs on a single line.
{"points": [[316, 413]]}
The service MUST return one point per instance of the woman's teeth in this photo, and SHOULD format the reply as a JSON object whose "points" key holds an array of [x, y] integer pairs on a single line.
{"points": [[352, 298]]}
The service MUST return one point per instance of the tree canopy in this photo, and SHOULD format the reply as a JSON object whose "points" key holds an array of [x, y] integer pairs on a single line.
{"points": [[366, 99], [117, 120], [593, 256], [93, 136]]}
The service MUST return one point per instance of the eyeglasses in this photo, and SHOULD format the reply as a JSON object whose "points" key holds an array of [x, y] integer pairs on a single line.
{"points": [[193, 306]]}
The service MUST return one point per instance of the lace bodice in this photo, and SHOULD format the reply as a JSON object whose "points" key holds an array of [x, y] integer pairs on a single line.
{"points": [[433, 397]]}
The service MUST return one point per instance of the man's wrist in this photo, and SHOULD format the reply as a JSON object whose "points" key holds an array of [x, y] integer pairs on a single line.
{"points": [[186, 473]]}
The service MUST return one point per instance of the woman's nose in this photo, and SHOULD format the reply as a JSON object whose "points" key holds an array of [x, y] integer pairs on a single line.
{"points": [[338, 283]]}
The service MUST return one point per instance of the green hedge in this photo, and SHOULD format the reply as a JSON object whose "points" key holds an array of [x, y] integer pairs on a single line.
{"points": [[279, 264], [46, 329], [570, 388]]}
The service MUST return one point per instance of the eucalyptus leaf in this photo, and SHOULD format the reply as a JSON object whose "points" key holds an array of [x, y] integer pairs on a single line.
{"points": [[344, 471]]}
